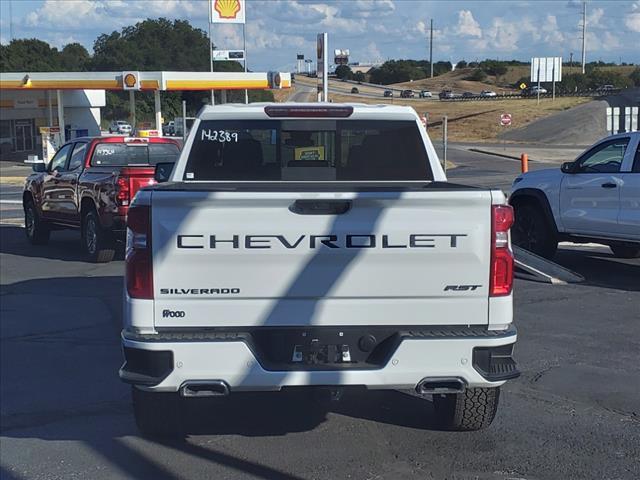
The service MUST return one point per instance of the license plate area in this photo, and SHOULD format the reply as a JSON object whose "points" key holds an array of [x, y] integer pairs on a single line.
{"points": [[324, 348]]}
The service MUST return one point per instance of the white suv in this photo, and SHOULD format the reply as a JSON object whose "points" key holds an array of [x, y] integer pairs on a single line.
{"points": [[120, 126], [595, 198]]}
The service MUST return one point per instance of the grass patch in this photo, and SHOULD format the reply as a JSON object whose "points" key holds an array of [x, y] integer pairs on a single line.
{"points": [[484, 126]]}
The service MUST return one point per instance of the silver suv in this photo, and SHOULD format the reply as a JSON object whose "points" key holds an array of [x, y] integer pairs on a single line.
{"points": [[120, 126]]}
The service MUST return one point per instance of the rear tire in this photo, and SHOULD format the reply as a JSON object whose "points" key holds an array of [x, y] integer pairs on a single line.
{"points": [[532, 231], [158, 414], [35, 228], [625, 251], [97, 242], [473, 409]]}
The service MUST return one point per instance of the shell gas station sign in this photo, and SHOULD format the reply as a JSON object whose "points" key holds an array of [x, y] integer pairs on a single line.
{"points": [[227, 11], [131, 80]]}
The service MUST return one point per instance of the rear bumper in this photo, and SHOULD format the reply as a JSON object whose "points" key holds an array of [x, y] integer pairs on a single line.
{"points": [[166, 361]]}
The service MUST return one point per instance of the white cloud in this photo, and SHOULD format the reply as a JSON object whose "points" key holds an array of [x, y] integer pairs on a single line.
{"points": [[551, 31], [89, 14], [594, 17], [610, 41], [372, 53], [467, 25], [278, 29], [368, 8], [632, 20], [421, 27]]}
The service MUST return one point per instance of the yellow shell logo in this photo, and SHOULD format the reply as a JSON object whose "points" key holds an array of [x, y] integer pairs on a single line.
{"points": [[227, 8], [130, 80]]}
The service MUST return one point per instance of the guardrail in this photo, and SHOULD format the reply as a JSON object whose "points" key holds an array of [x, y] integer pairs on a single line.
{"points": [[510, 96], [460, 98]]}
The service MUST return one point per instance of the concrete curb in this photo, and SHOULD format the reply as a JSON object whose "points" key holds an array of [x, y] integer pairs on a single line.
{"points": [[503, 155]]}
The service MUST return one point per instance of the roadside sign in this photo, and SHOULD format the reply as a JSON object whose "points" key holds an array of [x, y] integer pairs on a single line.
{"points": [[322, 67], [227, 55], [546, 69], [130, 80], [523, 86], [505, 119], [226, 11]]}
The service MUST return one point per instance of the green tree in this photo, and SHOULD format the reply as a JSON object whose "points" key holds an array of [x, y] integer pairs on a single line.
{"points": [[397, 71], [29, 55], [635, 77], [478, 75], [153, 45], [494, 67], [344, 72], [74, 58], [461, 64], [359, 76]]}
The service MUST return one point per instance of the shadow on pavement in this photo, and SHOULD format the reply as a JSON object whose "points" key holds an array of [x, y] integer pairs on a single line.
{"points": [[60, 354], [63, 245], [602, 269], [302, 409]]}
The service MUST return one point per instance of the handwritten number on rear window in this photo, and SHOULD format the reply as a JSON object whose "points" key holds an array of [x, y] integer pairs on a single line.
{"points": [[222, 136]]}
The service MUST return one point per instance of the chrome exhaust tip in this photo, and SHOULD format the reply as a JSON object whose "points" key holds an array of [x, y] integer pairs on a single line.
{"points": [[438, 385], [204, 388]]}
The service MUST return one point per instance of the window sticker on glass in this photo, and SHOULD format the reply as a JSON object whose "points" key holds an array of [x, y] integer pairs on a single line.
{"points": [[221, 136], [309, 153]]}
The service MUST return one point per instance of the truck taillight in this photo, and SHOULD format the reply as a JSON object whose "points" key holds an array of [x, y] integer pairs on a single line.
{"points": [[123, 197], [501, 280], [139, 266]]}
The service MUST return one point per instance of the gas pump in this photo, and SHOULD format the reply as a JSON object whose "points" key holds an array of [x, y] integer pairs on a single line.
{"points": [[51, 142]]}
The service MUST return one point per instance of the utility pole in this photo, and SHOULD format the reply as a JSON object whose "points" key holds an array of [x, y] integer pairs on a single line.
{"points": [[584, 35], [213, 98], [10, 20], [431, 48]]}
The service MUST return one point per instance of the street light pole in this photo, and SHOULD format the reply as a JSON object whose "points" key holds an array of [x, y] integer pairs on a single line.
{"points": [[431, 48], [213, 98]]}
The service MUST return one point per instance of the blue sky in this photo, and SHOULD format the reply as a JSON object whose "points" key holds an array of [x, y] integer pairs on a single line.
{"points": [[371, 29]]}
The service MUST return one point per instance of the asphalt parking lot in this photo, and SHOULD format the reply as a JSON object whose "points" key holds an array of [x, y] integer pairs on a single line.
{"points": [[574, 413]]}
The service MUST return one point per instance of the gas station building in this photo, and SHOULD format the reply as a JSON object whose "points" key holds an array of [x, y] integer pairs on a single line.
{"points": [[23, 112]]}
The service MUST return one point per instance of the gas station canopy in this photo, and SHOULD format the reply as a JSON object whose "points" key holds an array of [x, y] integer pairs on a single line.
{"points": [[132, 81], [152, 81]]}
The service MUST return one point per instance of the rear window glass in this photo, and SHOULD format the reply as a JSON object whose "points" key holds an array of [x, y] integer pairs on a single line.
{"points": [[308, 150], [129, 154]]}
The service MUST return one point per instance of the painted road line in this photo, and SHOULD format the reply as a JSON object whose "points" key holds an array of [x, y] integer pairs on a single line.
{"points": [[15, 181], [11, 202]]}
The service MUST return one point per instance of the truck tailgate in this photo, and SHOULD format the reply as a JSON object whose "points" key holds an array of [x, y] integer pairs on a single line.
{"points": [[376, 257]]}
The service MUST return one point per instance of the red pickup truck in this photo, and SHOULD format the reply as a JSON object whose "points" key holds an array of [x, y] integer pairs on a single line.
{"points": [[88, 185]]}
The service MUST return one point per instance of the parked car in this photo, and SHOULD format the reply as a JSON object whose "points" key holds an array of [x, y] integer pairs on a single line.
{"points": [[592, 199], [446, 94], [488, 93], [169, 128], [533, 91], [606, 88], [229, 261], [88, 186], [468, 95], [425, 94], [355, 90], [120, 126], [388, 93], [407, 94]]}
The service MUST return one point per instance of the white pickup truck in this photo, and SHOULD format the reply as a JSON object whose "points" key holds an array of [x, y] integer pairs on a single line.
{"points": [[304, 245]]}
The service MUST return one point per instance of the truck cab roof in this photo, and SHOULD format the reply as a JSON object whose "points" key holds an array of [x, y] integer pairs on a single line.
{"points": [[258, 111]]}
